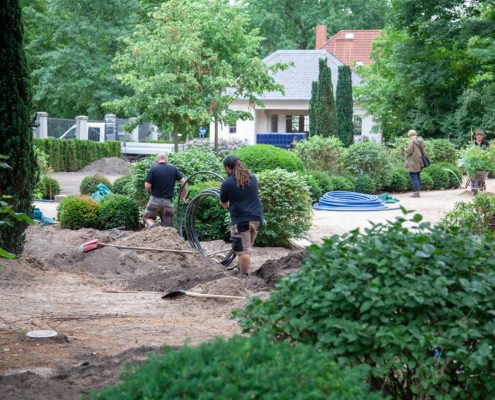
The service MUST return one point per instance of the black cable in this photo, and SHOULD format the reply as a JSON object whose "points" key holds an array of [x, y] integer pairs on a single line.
{"points": [[186, 218]]}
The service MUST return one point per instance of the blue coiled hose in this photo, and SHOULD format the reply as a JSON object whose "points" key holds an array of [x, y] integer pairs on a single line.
{"points": [[350, 201]]}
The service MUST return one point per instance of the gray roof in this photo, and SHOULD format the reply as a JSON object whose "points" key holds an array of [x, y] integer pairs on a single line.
{"points": [[298, 78]]}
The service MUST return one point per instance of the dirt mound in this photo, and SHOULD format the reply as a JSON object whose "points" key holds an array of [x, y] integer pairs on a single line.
{"points": [[272, 270], [229, 286], [109, 166]]}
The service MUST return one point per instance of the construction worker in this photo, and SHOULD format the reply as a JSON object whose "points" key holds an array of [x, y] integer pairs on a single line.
{"points": [[239, 195], [161, 180]]}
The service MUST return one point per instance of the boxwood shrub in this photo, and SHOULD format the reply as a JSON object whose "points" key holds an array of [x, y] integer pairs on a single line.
{"points": [[321, 153], [441, 179], [118, 211], [263, 157], [324, 180], [453, 172], [286, 201], [240, 368], [426, 181], [441, 150], [89, 183], [364, 184], [123, 185], [314, 186], [410, 302], [400, 181], [47, 186], [343, 183], [75, 212]]}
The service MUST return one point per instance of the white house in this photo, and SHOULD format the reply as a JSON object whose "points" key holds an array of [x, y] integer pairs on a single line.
{"points": [[288, 112]]}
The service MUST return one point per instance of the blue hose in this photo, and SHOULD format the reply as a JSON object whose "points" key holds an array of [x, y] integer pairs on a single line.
{"points": [[351, 201]]}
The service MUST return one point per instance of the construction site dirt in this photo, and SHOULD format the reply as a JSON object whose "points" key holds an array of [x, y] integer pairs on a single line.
{"points": [[106, 306]]}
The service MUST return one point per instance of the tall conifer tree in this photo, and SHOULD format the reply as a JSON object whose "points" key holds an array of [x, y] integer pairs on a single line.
{"points": [[16, 142], [344, 106], [313, 107], [326, 118]]}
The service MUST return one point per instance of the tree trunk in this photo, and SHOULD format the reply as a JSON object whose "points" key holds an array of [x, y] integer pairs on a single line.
{"points": [[16, 137]]}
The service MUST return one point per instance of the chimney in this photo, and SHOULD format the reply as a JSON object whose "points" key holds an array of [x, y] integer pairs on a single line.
{"points": [[321, 36]]}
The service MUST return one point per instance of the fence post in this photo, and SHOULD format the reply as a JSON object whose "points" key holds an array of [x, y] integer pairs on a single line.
{"points": [[82, 127], [135, 131], [42, 120], [110, 127]]}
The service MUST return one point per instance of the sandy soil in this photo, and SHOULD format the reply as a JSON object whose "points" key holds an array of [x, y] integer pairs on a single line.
{"points": [[107, 304]]}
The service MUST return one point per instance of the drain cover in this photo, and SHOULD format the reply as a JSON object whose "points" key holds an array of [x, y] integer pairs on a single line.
{"points": [[42, 334]]}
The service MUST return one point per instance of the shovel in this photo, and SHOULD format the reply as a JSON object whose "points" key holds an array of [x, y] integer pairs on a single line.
{"points": [[177, 293], [95, 244]]}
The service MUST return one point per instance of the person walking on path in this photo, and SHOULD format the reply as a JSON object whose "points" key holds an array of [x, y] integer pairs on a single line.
{"points": [[239, 195], [161, 181], [414, 160]]}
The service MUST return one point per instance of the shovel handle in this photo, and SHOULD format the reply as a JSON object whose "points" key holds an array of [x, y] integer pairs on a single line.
{"points": [[213, 296], [147, 248]]}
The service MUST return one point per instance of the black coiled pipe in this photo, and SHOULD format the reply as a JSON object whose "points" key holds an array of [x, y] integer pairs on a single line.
{"points": [[186, 218]]}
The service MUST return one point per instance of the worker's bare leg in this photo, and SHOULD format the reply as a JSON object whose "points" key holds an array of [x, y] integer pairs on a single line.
{"points": [[244, 263], [150, 222]]}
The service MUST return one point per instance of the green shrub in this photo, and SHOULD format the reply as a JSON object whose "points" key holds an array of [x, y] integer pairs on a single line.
{"points": [[369, 158], [211, 221], [75, 212], [116, 211], [441, 150], [475, 158], [264, 157], [321, 153], [41, 160], [286, 204], [324, 180], [364, 184], [89, 183], [240, 368], [412, 305], [342, 183], [225, 147], [123, 185], [453, 172], [47, 186], [478, 215], [399, 181], [397, 152], [74, 154], [441, 179], [315, 189], [426, 181]]}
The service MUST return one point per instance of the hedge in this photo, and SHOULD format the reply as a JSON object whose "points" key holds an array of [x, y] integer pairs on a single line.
{"points": [[74, 154]]}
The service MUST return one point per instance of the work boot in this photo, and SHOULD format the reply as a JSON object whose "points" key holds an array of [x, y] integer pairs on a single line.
{"points": [[415, 194]]}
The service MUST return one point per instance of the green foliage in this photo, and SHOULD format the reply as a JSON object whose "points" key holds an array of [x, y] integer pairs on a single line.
{"points": [[73, 154], [116, 211], [313, 106], [75, 212], [369, 158], [441, 150], [454, 173], [475, 158], [123, 185], [89, 183], [240, 368], [344, 105], [325, 113], [16, 142], [41, 160], [400, 181], [323, 179], [211, 222], [47, 188], [364, 184], [478, 215], [397, 151], [343, 183], [441, 179], [286, 204], [225, 147], [314, 187], [427, 182], [320, 153], [261, 157], [195, 160], [65, 31], [180, 63], [413, 305]]}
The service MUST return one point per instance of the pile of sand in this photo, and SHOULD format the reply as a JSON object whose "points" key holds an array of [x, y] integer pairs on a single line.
{"points": [[230, 286], [108, 166]]}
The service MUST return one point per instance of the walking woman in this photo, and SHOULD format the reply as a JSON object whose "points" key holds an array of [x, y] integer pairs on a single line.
{"points": [[414, 160]]}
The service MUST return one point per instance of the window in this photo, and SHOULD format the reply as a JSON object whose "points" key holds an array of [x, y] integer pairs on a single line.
{"points": [[358, 125], [296, 123], [274, 122], [233, 129]]}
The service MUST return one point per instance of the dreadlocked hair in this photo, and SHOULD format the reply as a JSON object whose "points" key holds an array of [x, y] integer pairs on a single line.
{"points": [[240, 172]]}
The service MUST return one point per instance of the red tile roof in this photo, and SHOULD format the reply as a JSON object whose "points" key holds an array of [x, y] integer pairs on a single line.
{"points": [[351, 46]]}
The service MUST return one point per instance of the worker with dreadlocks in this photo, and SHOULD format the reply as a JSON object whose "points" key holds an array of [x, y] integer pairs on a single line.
{"points": [[239, 195]]}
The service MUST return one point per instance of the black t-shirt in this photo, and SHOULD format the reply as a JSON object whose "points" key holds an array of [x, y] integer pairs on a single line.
{"points": [[162, 178], [244, 202]]}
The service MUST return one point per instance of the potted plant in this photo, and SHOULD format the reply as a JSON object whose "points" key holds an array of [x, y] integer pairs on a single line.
{"points": [[477, 162]]}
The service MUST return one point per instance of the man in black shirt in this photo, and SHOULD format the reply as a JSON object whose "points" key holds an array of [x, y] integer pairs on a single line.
{"points": [[239, 195], [161, 180], [480, 139]]}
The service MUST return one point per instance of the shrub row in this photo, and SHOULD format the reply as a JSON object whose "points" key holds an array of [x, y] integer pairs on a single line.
{"points": [[115, 211], [73, 154]]}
